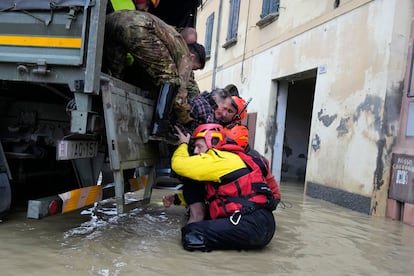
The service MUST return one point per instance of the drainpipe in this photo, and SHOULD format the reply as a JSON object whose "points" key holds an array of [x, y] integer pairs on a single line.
{"points": [[213, 79], [410, 93]]}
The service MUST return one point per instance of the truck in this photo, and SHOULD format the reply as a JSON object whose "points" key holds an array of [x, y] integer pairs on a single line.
{"points": [[64, 125]]}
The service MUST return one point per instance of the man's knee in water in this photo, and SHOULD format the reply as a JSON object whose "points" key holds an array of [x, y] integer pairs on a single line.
{"points": [[193, 239]]}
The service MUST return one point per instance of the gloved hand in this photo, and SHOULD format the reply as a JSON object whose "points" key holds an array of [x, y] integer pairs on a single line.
{"points": [[272, 204]]}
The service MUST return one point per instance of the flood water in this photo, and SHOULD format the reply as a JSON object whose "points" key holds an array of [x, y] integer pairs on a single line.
{"points": [[313, 237]]}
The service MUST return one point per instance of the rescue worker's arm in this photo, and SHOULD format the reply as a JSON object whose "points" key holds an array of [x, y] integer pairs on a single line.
{"points": [[271, 181], [176, 199], [179, 200]]}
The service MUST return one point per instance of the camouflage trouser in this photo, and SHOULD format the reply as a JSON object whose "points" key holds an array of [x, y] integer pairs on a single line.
{"points": [[137, 33], [182, 108], [192, 88], [156, 47]]}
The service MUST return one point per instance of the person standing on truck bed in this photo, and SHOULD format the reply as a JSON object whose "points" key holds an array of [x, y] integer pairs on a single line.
{"points": [[139, 5], [161, 51]]}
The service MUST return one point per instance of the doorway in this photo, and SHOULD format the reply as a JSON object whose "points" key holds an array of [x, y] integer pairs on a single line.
{"points": [[293, 119]]}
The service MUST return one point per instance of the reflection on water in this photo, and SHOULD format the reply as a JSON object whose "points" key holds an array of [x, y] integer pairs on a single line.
{"points": [[313, 237]]}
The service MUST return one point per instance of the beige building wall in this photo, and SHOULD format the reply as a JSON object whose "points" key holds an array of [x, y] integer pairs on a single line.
{"points": [[357, 52]]}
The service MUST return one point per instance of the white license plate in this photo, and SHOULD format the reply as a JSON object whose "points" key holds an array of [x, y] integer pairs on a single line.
{"points": [[76, 149]]}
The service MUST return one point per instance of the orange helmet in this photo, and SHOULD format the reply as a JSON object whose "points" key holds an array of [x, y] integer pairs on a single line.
{"points": [[155, 2], [213, 134], [240, 105], [238, 135]]}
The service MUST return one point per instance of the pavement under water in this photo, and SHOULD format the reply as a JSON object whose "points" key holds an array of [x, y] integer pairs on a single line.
{"points": [[313, 237]]}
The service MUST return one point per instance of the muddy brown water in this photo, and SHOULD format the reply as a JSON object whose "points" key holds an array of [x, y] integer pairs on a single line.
{"points": [[313, 237]]}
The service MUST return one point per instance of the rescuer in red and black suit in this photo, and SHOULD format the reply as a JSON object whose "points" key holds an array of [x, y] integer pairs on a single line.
{"points": [[240, 201]]}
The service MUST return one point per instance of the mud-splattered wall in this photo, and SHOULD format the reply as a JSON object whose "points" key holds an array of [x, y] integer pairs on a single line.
{"points": [[359, 52]]}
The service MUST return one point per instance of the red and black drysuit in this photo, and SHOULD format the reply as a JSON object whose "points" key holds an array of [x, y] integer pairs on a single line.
{"points": [[241, 203]]}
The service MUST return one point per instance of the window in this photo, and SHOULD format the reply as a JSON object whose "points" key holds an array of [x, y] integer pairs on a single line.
{"points": [[268, 7], [233, 23], [270, 12], [209, 34]]}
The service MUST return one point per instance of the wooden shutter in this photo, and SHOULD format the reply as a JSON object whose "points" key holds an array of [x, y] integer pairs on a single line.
{"points": [[209, 34]]}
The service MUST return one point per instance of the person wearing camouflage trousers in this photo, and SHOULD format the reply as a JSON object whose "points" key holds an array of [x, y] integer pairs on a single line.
{"points": [[162, 52]]}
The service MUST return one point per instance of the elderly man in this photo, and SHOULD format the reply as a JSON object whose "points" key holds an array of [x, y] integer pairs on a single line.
{"points": [[208, 107]]}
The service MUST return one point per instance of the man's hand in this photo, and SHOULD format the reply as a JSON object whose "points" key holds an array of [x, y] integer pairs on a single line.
{"points": [[168, 200], [182, 138]]}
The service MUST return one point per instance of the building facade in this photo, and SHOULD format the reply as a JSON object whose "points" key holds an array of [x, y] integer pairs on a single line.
{"points": [[327, 79]]}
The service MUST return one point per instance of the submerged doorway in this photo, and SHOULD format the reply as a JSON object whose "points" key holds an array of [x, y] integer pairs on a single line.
{"points": [[293, 120]]}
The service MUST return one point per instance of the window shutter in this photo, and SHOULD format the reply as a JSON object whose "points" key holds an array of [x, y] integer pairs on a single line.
{"points": [[274, 6], [236, 11], [209, 34], [233, 19], [265, 8]]}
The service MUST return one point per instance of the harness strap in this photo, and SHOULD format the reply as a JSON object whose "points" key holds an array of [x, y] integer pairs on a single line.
{"points": [[225, 179]]}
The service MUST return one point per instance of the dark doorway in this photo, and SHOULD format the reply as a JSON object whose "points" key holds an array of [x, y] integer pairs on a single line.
{"points": [[297, 129]]}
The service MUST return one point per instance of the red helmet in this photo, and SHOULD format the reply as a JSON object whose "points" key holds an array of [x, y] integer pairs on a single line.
{"points": [[239, 104], [238, 135], [213, 134]]}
